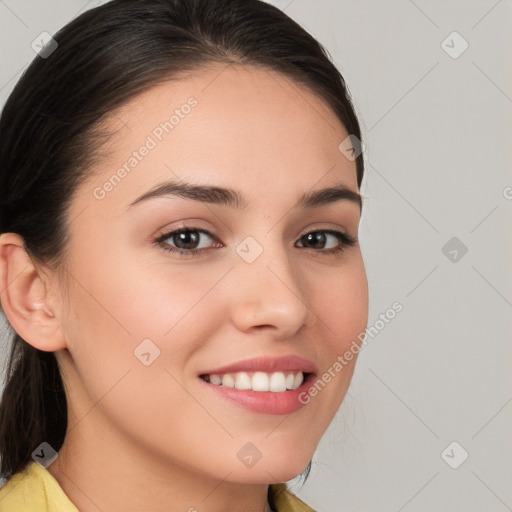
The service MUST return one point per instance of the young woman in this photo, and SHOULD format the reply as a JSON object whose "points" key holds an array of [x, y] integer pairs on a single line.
{"points": [[179, 260]]}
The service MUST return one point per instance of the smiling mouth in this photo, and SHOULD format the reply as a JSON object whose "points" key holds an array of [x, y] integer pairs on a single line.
{"points": [[276, 382]]}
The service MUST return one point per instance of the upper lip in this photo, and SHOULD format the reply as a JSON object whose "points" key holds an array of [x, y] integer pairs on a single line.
{"points": [[266, 364]]}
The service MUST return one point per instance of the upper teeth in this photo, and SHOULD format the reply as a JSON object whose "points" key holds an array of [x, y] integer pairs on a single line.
{"points": [[259, 381]]}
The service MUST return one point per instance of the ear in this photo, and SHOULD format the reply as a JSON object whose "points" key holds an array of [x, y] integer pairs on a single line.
{"points": [[25, 297]]}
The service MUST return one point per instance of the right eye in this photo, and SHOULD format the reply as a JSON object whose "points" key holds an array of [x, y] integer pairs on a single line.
{"points": [[184, 241]]}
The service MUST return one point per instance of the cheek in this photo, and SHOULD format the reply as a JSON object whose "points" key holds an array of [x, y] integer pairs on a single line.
{"points": [[111, 311], [117, 302], [341, 303]]}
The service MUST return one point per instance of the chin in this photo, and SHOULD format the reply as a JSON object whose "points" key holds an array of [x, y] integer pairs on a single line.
{"points": [[280, 469]]}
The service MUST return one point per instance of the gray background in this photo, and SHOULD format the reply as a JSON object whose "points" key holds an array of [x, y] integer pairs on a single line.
{"points": [[438, 134]]}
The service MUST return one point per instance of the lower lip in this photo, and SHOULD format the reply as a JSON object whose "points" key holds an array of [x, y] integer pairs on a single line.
{"points": [[263, 402]]}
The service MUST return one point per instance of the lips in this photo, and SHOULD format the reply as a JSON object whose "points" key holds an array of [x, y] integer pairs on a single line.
{"points": [[266, 364], [264, 385]]}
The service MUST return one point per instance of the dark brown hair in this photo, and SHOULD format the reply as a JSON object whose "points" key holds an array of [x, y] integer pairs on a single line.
{"points": [[50, 137]]}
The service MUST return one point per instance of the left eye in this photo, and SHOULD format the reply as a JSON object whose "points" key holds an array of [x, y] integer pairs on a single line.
{"points": [[316, 238]]}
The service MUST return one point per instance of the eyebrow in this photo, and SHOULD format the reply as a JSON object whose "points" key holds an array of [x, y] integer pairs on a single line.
{"points": [[233, 199]]}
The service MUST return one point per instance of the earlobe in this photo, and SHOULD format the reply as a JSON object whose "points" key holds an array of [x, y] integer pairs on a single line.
{"points": [[25, 297]]}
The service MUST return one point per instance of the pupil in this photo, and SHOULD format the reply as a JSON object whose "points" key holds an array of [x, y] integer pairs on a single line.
{"points": [[186, 238], [316, 239]]}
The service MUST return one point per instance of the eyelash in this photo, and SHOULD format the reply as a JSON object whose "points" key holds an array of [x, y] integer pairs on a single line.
{"points": [[344, 239]]}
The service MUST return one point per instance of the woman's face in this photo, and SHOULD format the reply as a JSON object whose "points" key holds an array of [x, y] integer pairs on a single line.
{"points": [[144, 325]]}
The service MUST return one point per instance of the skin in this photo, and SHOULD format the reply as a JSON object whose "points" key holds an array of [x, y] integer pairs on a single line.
{"points": [[143, 437]]}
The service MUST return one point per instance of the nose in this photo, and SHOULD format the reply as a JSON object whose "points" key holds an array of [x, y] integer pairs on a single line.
{"points": [[269, 295]]}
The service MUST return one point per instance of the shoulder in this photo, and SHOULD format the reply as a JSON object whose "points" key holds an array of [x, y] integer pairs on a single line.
{"points": [[32, 489], [35, 488], [285, 501]]}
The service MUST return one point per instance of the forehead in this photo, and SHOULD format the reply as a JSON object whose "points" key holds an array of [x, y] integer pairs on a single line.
{"points": [[245, 127]]}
